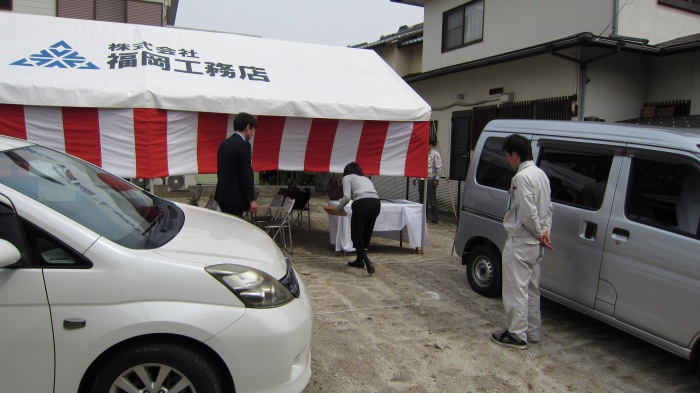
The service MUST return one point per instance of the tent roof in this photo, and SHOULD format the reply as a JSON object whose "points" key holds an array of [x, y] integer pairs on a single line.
{"points": [[48, 61]]}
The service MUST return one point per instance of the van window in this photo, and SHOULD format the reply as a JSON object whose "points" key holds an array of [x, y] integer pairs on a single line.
{"points": [[664, 192], [577, 178], [493, 169]]}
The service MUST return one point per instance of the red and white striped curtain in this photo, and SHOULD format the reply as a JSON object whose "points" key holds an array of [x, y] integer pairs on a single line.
{"points": [[152, 143], [327, 145]]}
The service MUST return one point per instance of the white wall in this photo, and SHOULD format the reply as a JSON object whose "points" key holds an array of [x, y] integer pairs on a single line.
{"points": [[621, 84], [39, 7], [618, 87], [656, 22], [669, 77], [676, 78], [404, 61], [510, 25], [529, 79]]}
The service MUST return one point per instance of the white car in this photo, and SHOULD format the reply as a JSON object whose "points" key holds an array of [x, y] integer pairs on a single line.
{"points": [[107, 288]]}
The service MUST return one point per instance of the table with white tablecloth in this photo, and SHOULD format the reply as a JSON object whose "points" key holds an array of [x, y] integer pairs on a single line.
{"points": [[399, 219]]}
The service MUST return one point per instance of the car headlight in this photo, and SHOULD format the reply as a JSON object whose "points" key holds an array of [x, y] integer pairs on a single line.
{"points": [[255, 288]]}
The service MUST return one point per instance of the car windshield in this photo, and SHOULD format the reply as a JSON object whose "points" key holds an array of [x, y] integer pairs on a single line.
{"points": [[104, 203]]}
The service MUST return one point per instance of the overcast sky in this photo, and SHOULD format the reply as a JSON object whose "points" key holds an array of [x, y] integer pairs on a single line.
{"points": [[328, 22]]}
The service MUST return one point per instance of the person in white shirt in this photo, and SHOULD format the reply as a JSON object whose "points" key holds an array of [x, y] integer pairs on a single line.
{"points": [[528, 220], [434, 174], [365, 209]]}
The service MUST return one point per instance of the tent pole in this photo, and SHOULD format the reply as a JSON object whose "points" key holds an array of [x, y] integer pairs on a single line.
{"points": [[424, 226]]}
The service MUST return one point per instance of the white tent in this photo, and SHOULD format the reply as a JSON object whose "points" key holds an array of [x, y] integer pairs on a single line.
{"points": [[146, 101]]}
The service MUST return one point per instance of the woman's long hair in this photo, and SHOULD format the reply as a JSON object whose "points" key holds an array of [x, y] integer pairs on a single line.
{"points": [[353, 168]]}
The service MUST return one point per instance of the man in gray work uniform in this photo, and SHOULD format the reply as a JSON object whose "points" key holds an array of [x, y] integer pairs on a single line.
{"points": [[528, 221]]}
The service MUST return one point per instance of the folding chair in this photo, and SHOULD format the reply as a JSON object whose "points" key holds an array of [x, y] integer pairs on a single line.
{"points": [[301, 205], [194, 201], [273, 210], [282, 223], [212, 204]]}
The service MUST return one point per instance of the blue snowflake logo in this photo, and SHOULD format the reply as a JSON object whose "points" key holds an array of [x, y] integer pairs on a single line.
{"points": [[59, 55]]}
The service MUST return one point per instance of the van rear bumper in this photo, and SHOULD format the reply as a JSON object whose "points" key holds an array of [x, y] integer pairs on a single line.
{"points": [[476, 228]]}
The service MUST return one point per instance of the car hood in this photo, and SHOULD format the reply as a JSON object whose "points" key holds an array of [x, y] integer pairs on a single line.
{"points": [[209, 238]]}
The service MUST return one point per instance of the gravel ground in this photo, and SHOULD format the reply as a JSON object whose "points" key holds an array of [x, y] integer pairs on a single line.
{"points": [[416, 326]]}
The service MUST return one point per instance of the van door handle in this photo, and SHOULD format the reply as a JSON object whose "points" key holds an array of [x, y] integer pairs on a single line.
{"points": [[588, 230], [620, 235]]}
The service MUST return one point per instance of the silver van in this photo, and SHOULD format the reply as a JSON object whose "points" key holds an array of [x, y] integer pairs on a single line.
{"points": [[625, 229]]}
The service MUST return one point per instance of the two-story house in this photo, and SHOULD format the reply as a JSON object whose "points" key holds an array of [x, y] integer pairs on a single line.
{"points": [[599, 60]]}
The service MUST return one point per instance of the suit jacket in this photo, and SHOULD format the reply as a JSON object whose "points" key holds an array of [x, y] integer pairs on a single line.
{"points": [[235, 172]]}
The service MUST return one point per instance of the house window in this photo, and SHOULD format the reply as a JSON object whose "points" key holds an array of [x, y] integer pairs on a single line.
{"points": [[463, 25], [6, 5]]}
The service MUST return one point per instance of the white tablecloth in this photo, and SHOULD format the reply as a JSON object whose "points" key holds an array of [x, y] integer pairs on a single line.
{"points": [[396, 218]]}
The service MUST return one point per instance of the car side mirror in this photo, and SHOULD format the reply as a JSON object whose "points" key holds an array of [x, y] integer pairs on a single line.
{"points": [[9, 254]]}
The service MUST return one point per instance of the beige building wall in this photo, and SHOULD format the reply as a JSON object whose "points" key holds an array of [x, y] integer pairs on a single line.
{"points": [[528, 79], [510, 25], [674, 78], [618, 87], [655, 22], [405, 61]]}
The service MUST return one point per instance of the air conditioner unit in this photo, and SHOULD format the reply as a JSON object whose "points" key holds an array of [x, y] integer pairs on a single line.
{"points": [[139, 182], [506, 97], [180, 182]]}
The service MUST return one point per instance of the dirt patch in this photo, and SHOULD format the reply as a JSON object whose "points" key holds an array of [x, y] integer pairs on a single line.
{"points": [[416, 326]]}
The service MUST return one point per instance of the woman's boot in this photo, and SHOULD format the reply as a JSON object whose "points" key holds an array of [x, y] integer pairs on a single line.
{"points": [[370, 265], [358, 263]]}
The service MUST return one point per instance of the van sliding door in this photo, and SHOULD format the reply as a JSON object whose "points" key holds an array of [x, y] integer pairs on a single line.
{"points": [[582, 178]]}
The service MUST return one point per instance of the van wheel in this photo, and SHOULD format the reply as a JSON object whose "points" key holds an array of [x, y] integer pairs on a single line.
{"points": [[484, 271], [157, 368]]}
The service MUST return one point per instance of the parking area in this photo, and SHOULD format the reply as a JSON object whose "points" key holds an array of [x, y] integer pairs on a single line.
{"points": [[416, 326]]}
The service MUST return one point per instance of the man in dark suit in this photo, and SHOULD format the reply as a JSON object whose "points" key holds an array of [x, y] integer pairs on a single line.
{"points": [[235, 191]]}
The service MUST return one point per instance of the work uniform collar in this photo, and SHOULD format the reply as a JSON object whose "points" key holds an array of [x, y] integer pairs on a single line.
{"points": [[525, 164]]}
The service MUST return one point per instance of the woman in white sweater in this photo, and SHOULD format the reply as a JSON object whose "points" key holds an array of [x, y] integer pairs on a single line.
{"points": [[365, 209]]}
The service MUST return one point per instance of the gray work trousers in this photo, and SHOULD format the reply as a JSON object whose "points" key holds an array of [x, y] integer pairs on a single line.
{"points": [[521, 292]]}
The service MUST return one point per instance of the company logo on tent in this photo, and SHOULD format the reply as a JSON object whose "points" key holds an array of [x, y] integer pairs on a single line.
{"points": [[59, 55]]}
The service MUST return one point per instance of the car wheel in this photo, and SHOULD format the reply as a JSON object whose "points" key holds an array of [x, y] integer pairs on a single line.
{"points": [[484, 271], [157, 368]]}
